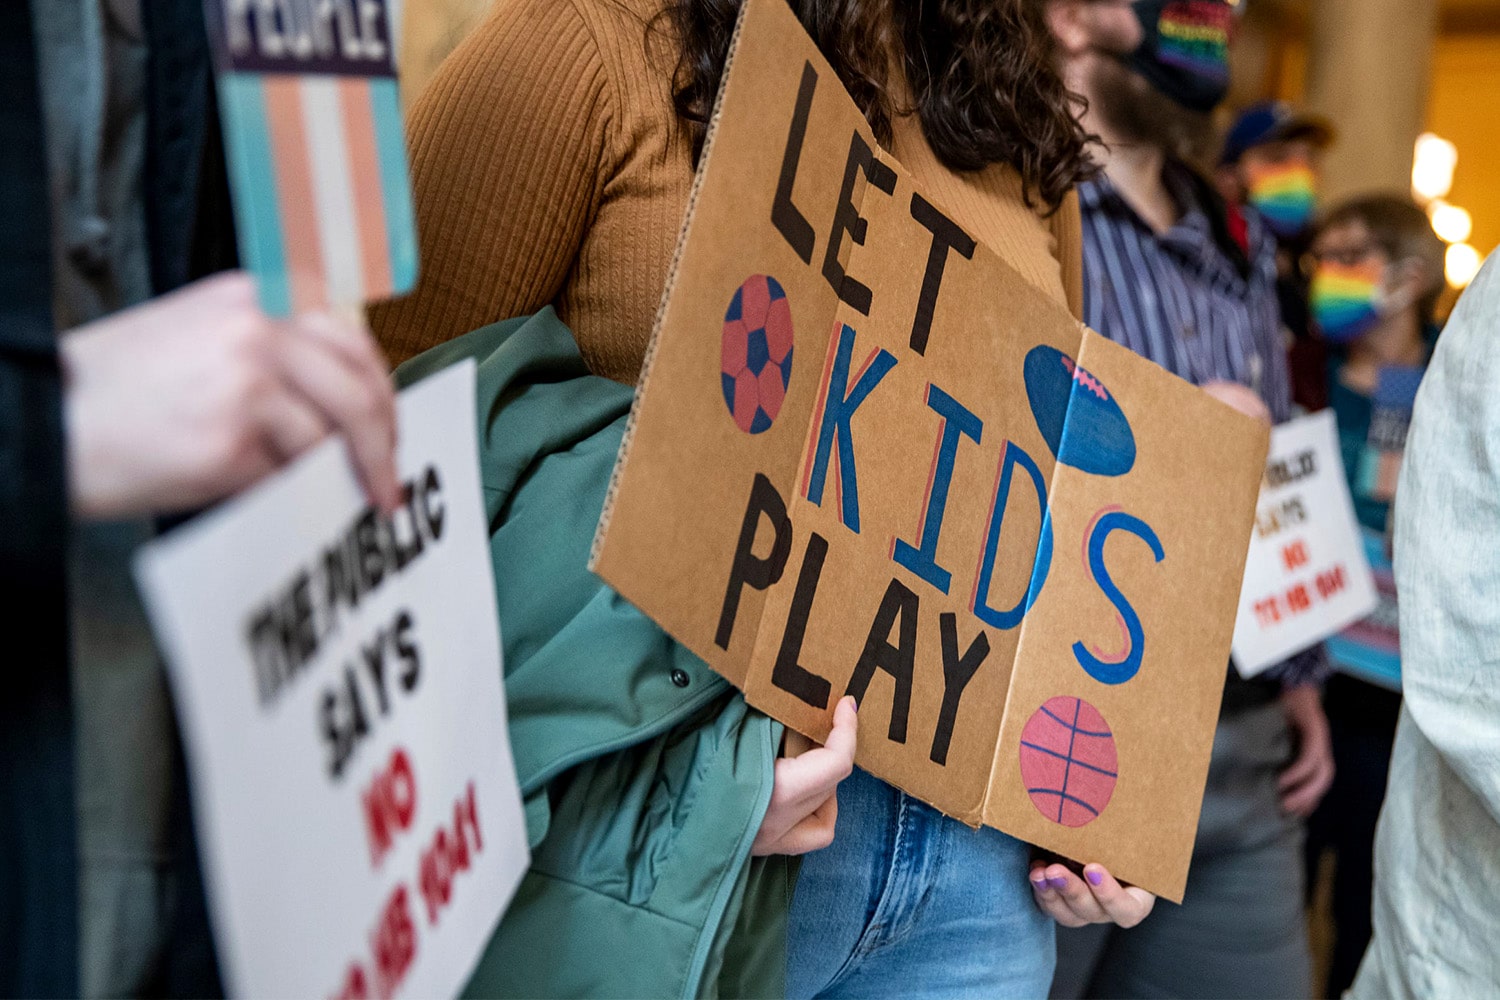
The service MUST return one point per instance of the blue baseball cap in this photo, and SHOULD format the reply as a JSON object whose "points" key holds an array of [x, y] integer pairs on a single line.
{"points": [[1273, 121]]}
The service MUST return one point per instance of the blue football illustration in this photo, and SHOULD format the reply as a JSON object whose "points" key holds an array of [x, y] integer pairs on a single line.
{"points": [[1077, 415]]}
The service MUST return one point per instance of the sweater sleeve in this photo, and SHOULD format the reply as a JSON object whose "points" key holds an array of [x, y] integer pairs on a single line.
{"points": [[510, 150], [1067, 234]]}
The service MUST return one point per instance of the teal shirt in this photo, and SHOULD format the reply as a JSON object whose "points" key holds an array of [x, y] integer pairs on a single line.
{"points": [[1352, 411], [1372, 437]]}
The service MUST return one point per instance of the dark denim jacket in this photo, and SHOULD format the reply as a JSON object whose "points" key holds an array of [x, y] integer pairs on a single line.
{"points": [[39, 889]]}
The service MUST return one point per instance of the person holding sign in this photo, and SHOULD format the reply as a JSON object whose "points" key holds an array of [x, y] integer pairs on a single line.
{"points": [[577, 209], [1377, 269], [1165, 275], [137, 408], [553, 161]]}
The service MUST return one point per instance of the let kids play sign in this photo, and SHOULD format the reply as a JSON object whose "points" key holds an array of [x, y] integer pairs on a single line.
{"points": [[867, 457]]}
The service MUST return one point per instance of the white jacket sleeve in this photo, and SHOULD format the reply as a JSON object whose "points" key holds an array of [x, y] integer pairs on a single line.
{"points": [[1448, 545]]}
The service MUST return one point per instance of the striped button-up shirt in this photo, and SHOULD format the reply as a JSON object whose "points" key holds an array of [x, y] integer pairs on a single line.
{"points": [[1179, 299]]}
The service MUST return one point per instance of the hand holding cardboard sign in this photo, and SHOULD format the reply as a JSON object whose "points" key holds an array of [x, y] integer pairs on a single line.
{"points": [[192, 397], [1097, 898], [903, 473], [804, 804]]}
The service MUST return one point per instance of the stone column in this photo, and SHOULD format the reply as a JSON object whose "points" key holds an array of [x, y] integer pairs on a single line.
{"points": [[1368, 66]]}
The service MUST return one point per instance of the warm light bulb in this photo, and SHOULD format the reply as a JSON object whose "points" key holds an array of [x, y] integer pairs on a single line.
{"points": [[1461, 264], [1450, 222], [1432, 167]]}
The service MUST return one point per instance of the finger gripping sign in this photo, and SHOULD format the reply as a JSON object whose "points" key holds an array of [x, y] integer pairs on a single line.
{"points": [[315, 150], [939, 493], [337, 676]]}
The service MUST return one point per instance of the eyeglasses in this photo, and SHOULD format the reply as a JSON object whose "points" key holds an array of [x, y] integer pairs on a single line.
{"points": [[1344, 256]]}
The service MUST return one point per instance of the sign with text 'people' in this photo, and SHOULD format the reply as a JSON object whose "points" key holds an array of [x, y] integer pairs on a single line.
{"points": [[315, 149], [868, 457], [1307, 576], [337, 675]]}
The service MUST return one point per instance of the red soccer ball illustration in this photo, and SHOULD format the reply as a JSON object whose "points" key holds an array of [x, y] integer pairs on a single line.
{"points": [[1068, 761], [757, 353]]}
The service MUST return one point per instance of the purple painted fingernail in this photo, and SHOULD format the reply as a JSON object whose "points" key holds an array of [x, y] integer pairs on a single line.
{"points": [[1057, 883], [1095, 877], [1040, 882]]}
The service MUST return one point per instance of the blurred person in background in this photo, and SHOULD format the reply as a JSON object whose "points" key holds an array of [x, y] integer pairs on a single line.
{"points": [[1271, 161], [1270, 164], [1437, 848], [1166, 275], [430, 30], [111, 194], [1376, 271], [553, 158]]}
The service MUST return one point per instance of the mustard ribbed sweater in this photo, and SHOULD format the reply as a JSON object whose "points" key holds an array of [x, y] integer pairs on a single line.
{"points": [[548, 166]]}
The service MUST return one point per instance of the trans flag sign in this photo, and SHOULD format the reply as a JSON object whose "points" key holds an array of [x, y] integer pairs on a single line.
{"points": [[317, 160]]}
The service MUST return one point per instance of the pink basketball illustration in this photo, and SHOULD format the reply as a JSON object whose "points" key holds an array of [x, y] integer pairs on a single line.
{"points": [[1068, 761], [756, 353]]}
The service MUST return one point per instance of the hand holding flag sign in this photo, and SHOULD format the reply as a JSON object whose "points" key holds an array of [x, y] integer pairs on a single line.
{"points": [[178, 402], [341, 702]]}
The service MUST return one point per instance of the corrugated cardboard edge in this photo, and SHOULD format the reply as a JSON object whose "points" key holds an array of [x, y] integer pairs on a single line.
{"points": [[666, 297]]}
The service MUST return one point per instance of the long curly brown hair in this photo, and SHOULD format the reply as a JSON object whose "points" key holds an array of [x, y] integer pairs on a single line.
{"points": [[982, 74]]}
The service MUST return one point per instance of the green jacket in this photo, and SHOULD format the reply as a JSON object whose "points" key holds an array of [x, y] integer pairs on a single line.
{"points": [[645, 774]]}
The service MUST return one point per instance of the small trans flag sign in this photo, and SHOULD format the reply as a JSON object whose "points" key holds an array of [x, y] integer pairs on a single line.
{"points": [[317, 159]]}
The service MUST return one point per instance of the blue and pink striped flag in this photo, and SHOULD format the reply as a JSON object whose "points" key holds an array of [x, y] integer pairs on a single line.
{"points": [[317, 158]]}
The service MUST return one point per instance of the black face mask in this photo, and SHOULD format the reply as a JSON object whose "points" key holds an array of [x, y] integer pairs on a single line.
{"points": [[1185, 52]]}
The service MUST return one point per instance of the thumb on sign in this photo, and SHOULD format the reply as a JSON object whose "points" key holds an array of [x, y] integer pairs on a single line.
{"points": [[804, 803]]}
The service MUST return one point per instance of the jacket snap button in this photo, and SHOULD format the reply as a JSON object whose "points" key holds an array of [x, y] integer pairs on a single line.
{"points": [[680, 677]]}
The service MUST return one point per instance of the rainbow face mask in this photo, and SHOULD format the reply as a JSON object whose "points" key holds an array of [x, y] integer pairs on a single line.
{"points": [[1345, 299], [1184, 50], [1284, 195]]}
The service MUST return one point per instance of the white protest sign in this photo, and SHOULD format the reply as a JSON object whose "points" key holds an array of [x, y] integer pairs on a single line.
{"points": [[338, 680], [1306, 576]]}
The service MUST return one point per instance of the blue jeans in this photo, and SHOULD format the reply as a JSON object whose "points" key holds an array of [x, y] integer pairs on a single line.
{"points": [[910, 903]]}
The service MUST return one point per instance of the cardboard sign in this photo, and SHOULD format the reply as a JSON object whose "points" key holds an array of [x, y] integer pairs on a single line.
{"points": [[315, 150], [1306, 576], [337, 677], [866, 456]]}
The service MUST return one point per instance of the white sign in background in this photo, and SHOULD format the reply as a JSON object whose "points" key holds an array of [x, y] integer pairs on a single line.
{"points": [[338, 680], [1306, 576]]}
